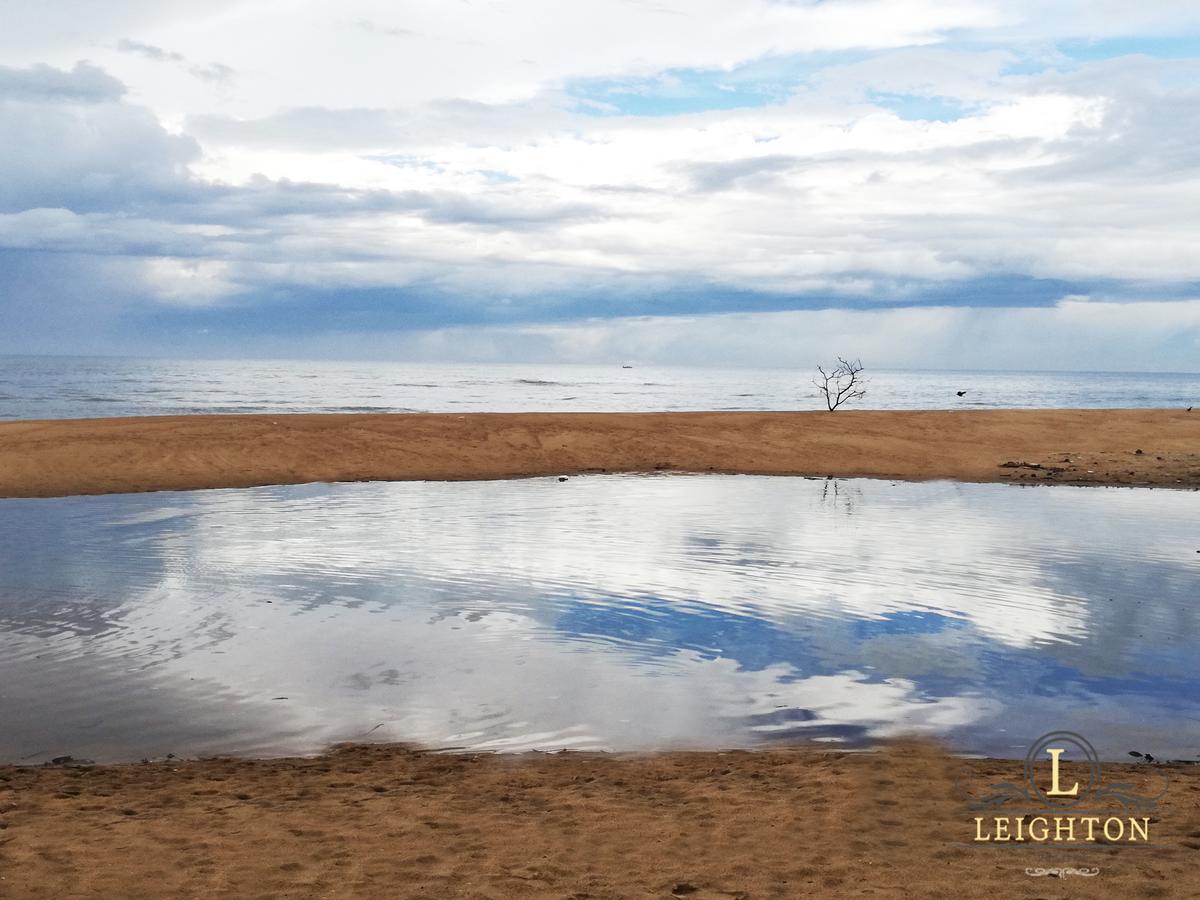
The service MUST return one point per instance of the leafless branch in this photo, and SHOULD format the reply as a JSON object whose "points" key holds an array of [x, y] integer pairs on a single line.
{"points": [[842, 383]]}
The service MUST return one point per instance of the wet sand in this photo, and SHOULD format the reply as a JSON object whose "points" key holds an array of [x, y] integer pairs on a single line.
{"points": [[95, 456], [377, 821]]}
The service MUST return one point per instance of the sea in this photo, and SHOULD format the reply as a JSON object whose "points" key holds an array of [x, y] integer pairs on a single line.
{"points": [[58, 387]]}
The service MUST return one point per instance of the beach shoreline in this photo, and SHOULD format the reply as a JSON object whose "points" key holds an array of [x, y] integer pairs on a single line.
{"points": [[387, 820], [58, 457]]}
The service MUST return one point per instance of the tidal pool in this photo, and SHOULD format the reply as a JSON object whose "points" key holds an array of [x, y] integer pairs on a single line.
{"points": [[604, 612]]}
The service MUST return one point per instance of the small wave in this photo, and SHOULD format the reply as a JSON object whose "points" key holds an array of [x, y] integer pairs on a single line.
{"points": [[536, 381]]}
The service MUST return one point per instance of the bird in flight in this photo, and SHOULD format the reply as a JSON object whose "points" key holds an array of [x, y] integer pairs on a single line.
{"points": [[960, 393]]}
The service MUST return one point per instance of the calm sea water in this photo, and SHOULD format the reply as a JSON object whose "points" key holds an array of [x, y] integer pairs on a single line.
{"points": [[76, 387], [618, 612]]}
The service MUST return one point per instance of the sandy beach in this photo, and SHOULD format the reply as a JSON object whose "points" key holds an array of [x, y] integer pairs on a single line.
{"points": [[390, 821], [376, 821], [95, 456]]}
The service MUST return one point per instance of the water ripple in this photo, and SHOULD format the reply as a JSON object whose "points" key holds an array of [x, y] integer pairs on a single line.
{"points": [[613, 612]]}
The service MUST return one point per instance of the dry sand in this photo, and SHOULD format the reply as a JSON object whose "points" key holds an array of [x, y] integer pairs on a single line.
{"points": [[94, 456], [381, 821]]}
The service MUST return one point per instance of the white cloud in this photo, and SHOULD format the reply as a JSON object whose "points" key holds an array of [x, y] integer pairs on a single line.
{"points": [[493, 52], [188, 282], [441, 148]]}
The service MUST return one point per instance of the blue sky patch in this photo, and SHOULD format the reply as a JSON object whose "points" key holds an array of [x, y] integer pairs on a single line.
{"points": [[682, 91], [1185, 46], [672, 94], [914, 107], [497, 177]]}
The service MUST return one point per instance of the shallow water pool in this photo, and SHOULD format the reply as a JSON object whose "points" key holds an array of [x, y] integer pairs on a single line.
{"points": [[614, 612]]}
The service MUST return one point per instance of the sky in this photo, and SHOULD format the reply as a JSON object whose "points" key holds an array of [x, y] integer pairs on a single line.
{"points": [[975, 184]]}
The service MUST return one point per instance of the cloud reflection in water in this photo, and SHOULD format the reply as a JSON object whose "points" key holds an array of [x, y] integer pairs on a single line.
{"points": [[607, 612]]}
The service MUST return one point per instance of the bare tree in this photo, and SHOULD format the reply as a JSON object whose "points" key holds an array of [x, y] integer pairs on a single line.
{"points": [[843, 382]]}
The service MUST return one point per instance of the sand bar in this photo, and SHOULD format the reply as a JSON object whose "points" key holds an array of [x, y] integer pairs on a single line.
{"points": [[379, 821], [96, 456]]}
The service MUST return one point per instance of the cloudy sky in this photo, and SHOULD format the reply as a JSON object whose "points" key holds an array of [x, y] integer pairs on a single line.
{"points": [[982, 183]]}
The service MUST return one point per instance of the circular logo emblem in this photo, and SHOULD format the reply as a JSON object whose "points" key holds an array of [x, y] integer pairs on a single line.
{"points": [[1051, 748]]}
